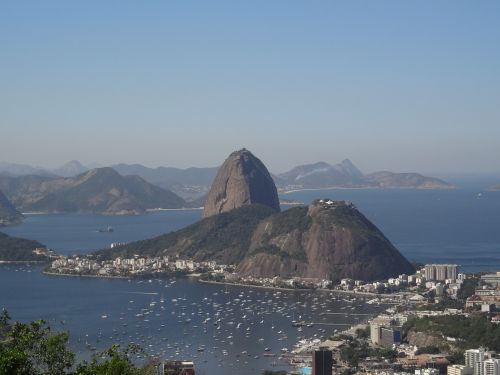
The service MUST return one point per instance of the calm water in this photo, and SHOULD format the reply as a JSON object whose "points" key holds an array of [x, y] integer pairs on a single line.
{"points": [[428, 226], [71, 233], [174, 319]]}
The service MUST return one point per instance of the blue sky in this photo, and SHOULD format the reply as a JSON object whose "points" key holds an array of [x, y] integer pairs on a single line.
{"points": [[399, 85]]}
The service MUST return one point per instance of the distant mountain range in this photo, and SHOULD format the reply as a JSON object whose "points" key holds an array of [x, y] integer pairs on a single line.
{"points": [[321, 175], [193, 183], [101, 190], [13, 170], [347, 175], [188, 183]]}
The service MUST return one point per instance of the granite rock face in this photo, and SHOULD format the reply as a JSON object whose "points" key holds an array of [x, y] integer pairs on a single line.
{"points": [[242, 180], [327, 240]]}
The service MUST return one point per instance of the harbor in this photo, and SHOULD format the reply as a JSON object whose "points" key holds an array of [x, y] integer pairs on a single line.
{"points": [[219, 327]]}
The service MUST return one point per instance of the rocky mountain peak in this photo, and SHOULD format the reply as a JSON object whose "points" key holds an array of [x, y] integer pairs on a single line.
{"points": [[241, 180], [350, 168]]}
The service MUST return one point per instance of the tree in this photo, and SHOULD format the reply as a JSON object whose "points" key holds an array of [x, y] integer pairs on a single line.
{"points": [[117, 362], [33, 349]]}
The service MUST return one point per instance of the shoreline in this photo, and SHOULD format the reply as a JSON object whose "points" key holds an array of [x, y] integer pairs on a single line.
{"points": [[148, 210], [92, 276], [173, 209], [365, 188]]}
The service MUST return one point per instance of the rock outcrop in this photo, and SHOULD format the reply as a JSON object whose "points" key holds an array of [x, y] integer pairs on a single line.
{"points": [[327, 240], [242, 180]]}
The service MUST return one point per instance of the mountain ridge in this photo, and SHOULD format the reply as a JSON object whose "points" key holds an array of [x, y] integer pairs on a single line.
{"points": [[194, 182], [101, 190]]}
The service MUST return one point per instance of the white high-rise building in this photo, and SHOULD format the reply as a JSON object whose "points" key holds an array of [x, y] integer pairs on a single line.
{"points": [[474, 358], [491, 366], [451, 271]]}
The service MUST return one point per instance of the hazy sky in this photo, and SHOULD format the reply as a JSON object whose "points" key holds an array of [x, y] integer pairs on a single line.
{"points": [[399, 85]]}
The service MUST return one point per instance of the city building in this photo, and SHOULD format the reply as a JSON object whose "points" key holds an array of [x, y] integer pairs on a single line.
{"points": [[390, 336], [177, 368], [440, 272], [427, 371], [474, 358], [491, 366], [492, 279], [384, 332], [322, 362], [459, 370]]}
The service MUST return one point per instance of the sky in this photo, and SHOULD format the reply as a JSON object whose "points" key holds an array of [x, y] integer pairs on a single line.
{"points": [[396, 85]]}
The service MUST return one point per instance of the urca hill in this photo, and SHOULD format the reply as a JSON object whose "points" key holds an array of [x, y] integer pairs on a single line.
{"points": [[328, 239]]}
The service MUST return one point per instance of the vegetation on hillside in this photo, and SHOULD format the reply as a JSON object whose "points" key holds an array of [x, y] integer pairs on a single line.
{"points": [[470, 332], [224, 237], [293, 221], [358, 350], [15, 249]]}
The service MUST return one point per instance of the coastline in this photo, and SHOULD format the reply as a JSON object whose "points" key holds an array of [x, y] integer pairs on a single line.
{"points": [[367, 188], [32, 213], [173, 209], [92, 276]]}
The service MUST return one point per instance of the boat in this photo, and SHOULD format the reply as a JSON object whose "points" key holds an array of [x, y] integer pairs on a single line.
{"points": [[107, 229]]}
